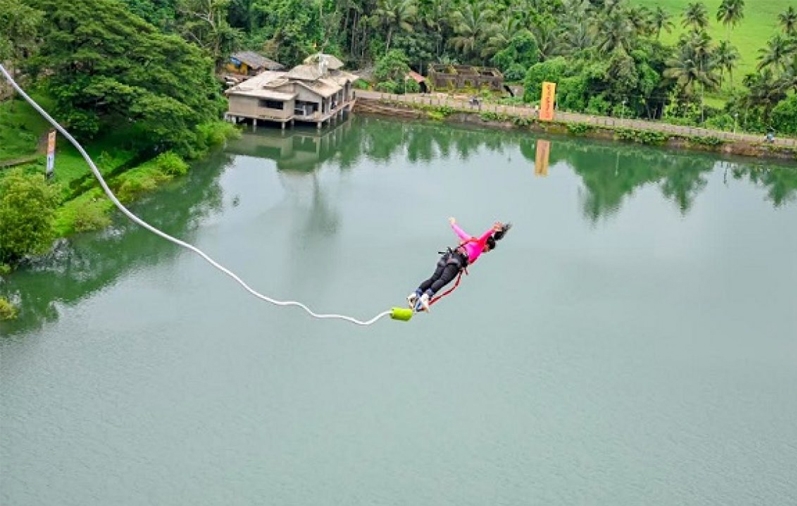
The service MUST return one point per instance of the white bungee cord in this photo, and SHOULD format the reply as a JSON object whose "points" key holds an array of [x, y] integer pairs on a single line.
{"points": [[396, 313]]}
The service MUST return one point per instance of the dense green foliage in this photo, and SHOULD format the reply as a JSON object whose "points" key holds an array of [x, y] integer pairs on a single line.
{"points": [[666, 60], [27, 212], [621, 57], [110, 70]]}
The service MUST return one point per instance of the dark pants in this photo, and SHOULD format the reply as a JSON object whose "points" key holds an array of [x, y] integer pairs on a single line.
{"points": [[447, 269]]}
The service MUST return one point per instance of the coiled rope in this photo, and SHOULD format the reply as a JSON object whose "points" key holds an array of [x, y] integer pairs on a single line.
{"points": [[395, 313]]}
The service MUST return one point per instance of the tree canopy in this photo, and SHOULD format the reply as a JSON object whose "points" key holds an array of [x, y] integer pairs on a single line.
{"points": [[109, 70]]}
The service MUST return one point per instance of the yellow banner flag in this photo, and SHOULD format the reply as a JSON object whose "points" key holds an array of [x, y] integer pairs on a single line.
{"points": [[547, 101]]}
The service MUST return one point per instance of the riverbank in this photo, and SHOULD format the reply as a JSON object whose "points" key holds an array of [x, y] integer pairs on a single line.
{"points": [[454, 110]]}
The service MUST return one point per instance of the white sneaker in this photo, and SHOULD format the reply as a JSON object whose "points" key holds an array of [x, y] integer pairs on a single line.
{"points": [[425, 302], [412, 299]]}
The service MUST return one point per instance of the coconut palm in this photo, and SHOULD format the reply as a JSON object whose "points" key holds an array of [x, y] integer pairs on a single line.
{"points": [[695, 16], [500, 34], [765, 91], [689, 67], [788, 78], [395, 14], [788, 21], [730, 13], [471, 25], [661, 21], [434, 16], [548, 39], [615, 31], [777, 52], [578, 37], [726, 57], [640, 19]]}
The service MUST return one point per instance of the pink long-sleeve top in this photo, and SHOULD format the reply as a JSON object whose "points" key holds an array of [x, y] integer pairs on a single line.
{"points": [[473, 246]]}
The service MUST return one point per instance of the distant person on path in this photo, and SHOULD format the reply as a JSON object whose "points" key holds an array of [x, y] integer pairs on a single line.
{"points": [[454, 261]]}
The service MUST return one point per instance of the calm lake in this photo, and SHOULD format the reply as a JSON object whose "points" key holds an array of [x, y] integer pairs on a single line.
{"points": [[632, 341]]}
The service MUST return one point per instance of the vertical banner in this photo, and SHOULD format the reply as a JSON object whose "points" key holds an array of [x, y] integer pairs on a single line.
{"points": [[547, 101], [542, 156], [50, 153]]}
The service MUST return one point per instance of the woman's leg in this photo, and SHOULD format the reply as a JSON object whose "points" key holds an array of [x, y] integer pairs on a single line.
{"points": [[443, 276], [441, 265], [413, 298], [450, 272]]}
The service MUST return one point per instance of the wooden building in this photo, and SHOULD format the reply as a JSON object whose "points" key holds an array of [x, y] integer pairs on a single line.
{"points": [[249, 63], [316, 91]]}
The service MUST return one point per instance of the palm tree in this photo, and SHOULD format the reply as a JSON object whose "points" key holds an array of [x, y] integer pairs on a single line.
{"points": [[661, 21], [688, 69], [547, 36], [693, 65], [577, 10], [472, 29], [615, 31], [500, 35], [788, 78], [435, 18], [395, 14], [777, 52], [725, 57], [640, 19], [578, 37], [765, 91], [788, 21], [730, 13], [695, 16]]}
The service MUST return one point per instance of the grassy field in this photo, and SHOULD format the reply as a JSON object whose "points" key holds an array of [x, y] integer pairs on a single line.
{"points": [[760, 22], [21, 127]]}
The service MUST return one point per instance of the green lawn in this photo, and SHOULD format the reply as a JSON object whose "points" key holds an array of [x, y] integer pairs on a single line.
{"points": [[760, 22], [20, 129]]}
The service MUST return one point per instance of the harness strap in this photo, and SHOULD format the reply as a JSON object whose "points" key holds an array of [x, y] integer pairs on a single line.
{"points": [[456, 284]]}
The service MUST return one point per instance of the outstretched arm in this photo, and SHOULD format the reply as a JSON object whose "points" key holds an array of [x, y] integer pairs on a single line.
{"points": [[460, 233]]}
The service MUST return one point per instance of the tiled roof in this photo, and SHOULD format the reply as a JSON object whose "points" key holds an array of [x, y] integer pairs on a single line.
{"points": [[257, 61], [304, 72], [332, 62], [258, 82]]}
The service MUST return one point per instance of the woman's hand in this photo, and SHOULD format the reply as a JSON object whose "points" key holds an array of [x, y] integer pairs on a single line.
{"points": [[452, 220], [497, 226]]}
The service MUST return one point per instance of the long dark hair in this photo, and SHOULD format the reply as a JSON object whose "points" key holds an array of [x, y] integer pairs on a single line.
{"points": [[498, 235]]}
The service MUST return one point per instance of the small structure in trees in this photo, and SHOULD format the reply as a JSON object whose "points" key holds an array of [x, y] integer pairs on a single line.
{"points": [[465, 76], [249, 63]]}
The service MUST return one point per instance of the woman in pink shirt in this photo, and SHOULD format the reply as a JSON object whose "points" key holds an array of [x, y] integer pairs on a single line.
{"points": [[454, 261]]}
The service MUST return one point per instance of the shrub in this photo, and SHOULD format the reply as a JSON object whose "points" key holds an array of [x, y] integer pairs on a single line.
{"points": [[7, 310], [170, 163], [27, 212], [578, 128], [91, 215]]}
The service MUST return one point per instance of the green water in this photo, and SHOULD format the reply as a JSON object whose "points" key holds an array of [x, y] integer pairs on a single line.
{"points": [[632, 341]]}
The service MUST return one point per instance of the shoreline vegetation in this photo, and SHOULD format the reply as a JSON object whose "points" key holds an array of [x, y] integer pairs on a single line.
{"points": [[439, 107]]}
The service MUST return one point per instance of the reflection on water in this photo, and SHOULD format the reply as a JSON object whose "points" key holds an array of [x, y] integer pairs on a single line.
{"points": [[609, 173], [87, 263]]}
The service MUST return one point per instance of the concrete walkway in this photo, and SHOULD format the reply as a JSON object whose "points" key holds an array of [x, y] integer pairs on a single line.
{"points": [[434, 99]]}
